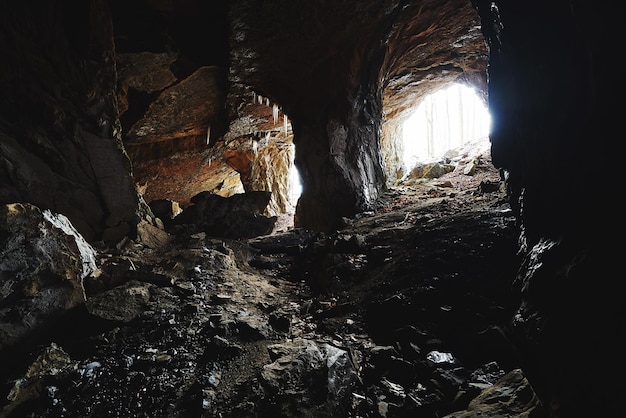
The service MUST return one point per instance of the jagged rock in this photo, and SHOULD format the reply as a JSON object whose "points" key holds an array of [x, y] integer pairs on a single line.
{"points": [[288, 242], [489, 186], [146, 72], [111, 272], [184, 109], [51, 361], [435, 170], [221, 348], [43, 261], [252, 327], [153, 236], [511, 396], [238, 216], [470, 168], [328, 371], [428, 171], [123, 303]]}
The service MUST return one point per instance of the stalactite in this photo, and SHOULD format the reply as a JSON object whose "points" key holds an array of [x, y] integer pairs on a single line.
{"points": [[285, 123], [275, 112], [260, 98], [208, 134], [267, 101]]}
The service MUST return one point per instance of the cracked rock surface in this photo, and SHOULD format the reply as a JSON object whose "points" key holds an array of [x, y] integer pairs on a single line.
{"points": [[403, 312]]}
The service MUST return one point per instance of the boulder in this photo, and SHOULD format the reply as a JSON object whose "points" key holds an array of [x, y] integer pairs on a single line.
{"points": [[238, 216], [43, 261]]}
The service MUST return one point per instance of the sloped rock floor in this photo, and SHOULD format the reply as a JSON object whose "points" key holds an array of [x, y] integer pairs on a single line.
{"points": [[403, 312]]}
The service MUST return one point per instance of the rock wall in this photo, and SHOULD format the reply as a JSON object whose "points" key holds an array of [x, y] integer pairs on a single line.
{"points": [[60, 142], [392, 150], [550, 90], [259, 146]]}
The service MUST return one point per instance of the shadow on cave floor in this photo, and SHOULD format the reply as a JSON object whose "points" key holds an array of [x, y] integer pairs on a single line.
{"points": [[401, 313]]}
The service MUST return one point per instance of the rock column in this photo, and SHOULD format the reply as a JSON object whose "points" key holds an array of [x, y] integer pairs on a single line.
{"points": [[339, 159]]}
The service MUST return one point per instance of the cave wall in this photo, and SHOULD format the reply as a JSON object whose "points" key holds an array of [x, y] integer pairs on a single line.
{"points": [[305, 59], [188, 127], [550, 97], [545, 96], [172, 97], [61, 146], [392, 144]]}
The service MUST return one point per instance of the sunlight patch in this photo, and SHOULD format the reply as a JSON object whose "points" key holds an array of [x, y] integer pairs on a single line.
{"points": [[445, 120]]}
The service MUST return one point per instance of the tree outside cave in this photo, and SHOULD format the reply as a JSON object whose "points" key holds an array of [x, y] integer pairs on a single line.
{"points": [[447, 119]]}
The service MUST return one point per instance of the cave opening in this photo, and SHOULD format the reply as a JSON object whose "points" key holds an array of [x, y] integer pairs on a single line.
{"points": [[449, 118], [294, 186]]}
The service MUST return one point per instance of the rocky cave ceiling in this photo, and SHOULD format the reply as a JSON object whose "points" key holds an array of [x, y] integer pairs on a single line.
{"points": [[208, 89]]}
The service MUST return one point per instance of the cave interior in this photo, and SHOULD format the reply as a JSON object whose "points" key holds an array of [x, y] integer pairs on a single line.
{"points": [[134, 119]]}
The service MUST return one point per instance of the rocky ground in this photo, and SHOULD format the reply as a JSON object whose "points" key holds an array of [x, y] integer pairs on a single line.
{"points": [[403, 312]]}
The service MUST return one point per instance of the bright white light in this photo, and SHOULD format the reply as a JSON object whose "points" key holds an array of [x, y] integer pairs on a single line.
{"points": [[295, 185], [444, 120]]}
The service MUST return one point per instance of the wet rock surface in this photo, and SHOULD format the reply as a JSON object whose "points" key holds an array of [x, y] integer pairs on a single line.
{"points": [[403, 312]]}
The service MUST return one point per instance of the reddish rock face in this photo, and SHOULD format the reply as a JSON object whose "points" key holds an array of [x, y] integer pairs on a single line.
{"points": [[340, 76]]}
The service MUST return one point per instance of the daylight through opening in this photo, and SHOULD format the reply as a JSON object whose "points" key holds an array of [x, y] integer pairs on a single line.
{"points": [[444, 120], [295, 185]]}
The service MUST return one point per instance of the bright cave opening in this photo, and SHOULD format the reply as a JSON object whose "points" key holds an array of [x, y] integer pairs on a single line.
{"points": [[295, 185], [447, 119]]}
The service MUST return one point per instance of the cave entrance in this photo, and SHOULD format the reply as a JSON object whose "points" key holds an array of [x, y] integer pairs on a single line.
{"points": [[293, 181], [295, 185], [449, 118]]}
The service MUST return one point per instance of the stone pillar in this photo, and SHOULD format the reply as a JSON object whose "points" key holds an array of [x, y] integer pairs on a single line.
{"points": [[338, 155]]}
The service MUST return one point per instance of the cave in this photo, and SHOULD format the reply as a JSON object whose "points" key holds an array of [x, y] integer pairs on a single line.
{"points": [[150, 234]]}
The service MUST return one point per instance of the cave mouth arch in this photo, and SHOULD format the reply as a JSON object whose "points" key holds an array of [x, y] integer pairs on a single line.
{"points": [[448, 118]]}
